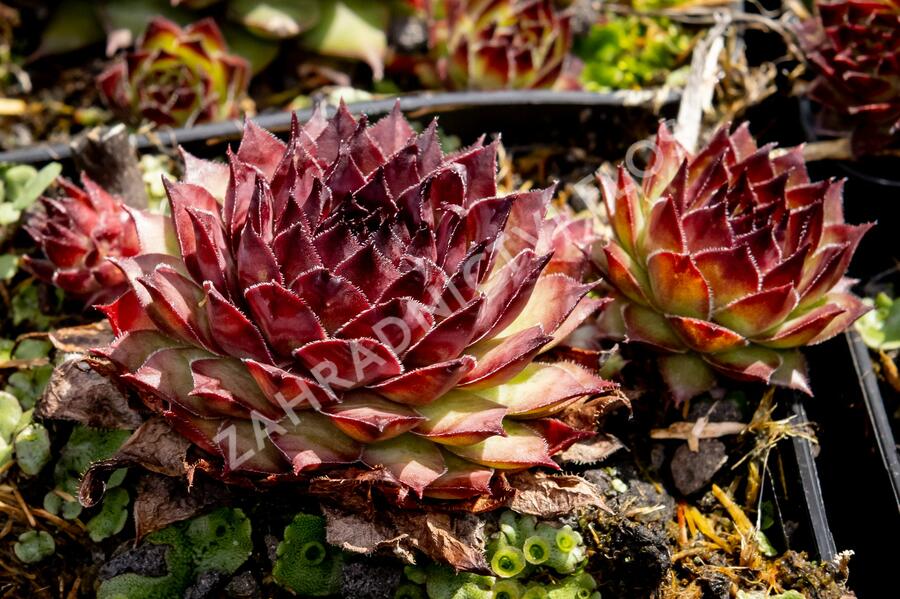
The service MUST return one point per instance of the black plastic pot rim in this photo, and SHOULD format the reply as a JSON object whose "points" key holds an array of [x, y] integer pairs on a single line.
{"points": [[811, 486], [881, 425], [279, 122]]}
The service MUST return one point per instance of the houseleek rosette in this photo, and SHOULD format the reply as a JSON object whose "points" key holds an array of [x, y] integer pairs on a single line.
{"points": [[854, 47], [356, 297], [177, 76], [727, 260]]}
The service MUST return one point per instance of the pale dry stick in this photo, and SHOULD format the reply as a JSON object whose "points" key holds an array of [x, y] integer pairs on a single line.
{"points": [[701, 83]]}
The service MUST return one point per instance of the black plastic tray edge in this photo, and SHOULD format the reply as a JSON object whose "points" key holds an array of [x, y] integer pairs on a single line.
{"points": [[433, 102], [868, 385], [811, 487]]}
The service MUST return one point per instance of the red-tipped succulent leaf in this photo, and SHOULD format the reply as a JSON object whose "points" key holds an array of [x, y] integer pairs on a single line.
{"points": [[79, 232], [498, 44]]}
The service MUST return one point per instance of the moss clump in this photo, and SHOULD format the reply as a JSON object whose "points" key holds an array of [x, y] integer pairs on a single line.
{"points": [[304, 563], [217, 542], [527, 559]]}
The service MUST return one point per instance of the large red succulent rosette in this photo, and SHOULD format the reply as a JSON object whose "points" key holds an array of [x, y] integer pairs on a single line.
{"points": [[356, 297], [727, 261]]}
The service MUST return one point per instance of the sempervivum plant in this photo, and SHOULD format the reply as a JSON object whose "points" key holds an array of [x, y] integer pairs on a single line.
{"points": [[854, 45], [78, 232], [728, 260], [355, 301], [497, 44], [177, 76]]}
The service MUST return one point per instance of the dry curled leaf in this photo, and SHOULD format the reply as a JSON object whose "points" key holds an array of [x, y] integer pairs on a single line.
{"points": [[584, 414], [553, 495], [77, 392], [593, 450], [454, 539], [164, 500], [154, 446]]}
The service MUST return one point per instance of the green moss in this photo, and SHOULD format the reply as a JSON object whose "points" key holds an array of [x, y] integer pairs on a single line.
{"points": [[304, 563], [632, 52], [111, 518], [521, 553], [219, 541], [443, 583]]}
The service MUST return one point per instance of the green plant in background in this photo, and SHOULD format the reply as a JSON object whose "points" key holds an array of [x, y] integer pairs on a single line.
{"points": [[304, 563], [86, 446], [880, 328], [20, 186], [153, 168], [21, 438], [34, 546], [528, 560], [111, 518], [27, 384], [633, 52], [219, 542]]}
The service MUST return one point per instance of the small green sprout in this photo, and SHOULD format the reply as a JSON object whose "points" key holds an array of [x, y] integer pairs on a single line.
{"points": [[508, 589], [32, 446], [34, 546], [536, 549], [508, 562], [111, 518]]}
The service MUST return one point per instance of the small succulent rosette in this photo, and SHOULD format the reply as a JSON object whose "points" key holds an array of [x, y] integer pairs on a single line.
{"points": [[177, 77], [854, 48], [79, 232], [727, 261], [498, 44]]}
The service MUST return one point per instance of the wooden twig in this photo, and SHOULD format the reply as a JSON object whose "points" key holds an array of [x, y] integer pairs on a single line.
{"points": [[701, 83], [109, 158]]}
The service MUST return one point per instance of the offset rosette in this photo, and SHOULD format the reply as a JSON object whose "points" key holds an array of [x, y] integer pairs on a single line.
{"points": [[498, 44], [728, 260], [79, 231], [356, 297], [854, 46], [177, 76]]}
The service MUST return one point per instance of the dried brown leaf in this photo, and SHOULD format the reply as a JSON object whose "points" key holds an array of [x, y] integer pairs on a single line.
{"points": [[454, 539], [584, 414], [83, 338], [590, 451], [164, 500], [77, 392], [154, 446], [553, 495]]}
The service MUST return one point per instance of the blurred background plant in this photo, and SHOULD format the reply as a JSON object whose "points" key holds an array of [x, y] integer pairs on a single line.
{"points": [[634, 52]]}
